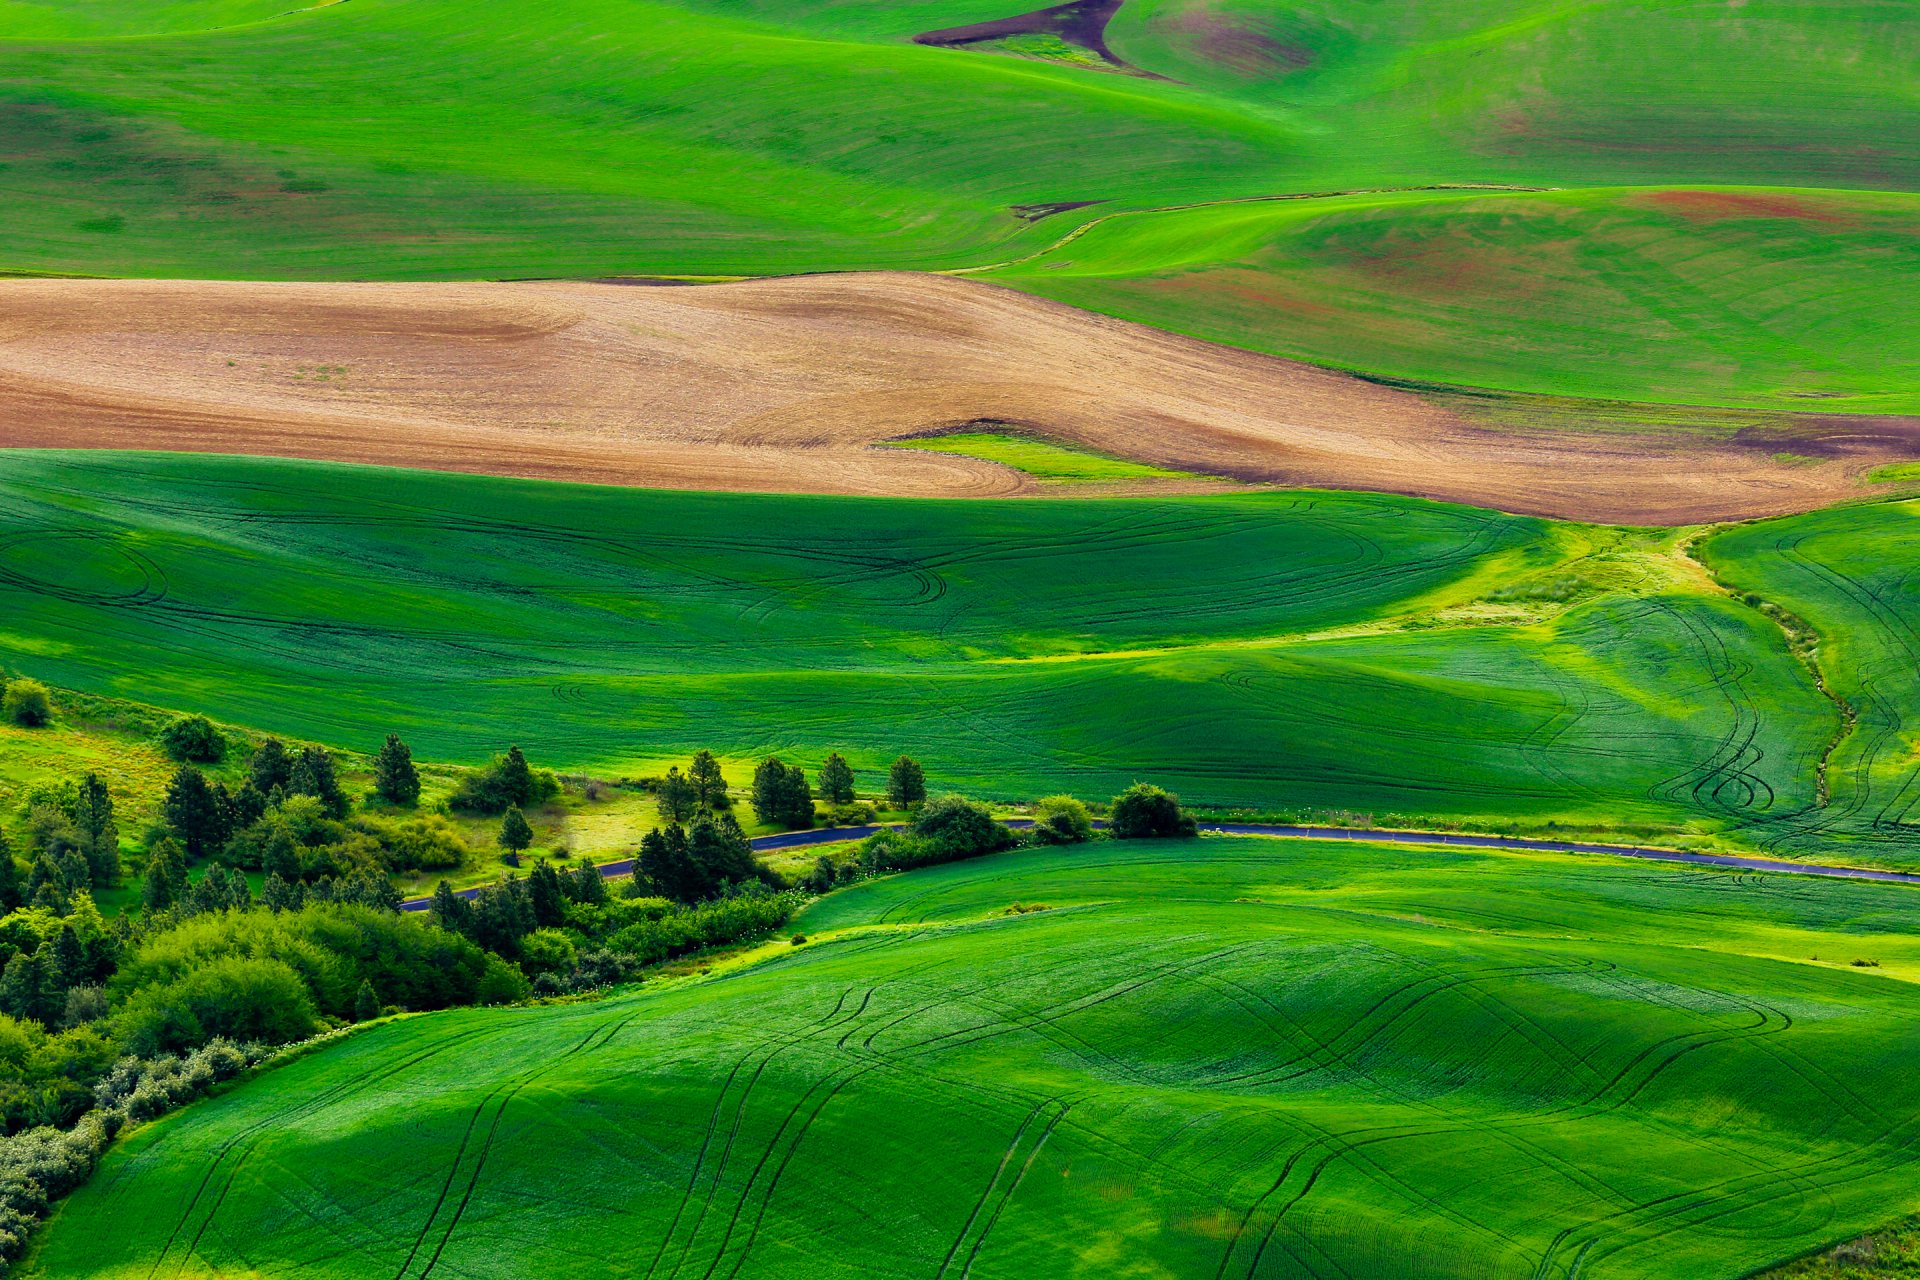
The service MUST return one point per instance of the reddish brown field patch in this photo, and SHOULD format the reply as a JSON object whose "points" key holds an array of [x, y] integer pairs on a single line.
{"points": [[1717, 206], [784, 385]]}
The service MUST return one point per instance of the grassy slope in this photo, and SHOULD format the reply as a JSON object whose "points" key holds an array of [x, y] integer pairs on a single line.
{"points": [[429, 138], [1260, 1058], [1765, 298], [1356, 652], [1849, 572]]}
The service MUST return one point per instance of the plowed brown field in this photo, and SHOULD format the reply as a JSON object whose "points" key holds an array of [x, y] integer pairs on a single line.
{"points": [[783, 385]]}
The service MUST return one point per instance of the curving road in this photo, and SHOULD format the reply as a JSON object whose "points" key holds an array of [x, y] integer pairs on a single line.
{"points": [[840, 835]]}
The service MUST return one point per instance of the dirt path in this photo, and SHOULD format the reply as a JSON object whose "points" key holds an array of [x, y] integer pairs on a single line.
{"points": [[784, 385]]}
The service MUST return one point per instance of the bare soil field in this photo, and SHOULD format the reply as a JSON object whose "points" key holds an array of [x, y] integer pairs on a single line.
{"points": [[784, 385]]}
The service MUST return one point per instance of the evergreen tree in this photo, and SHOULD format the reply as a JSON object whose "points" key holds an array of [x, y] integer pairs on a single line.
{"points": [[515, 834], [677, 798], [668, 865], [395, 780], [313, 775], [502, 916], [451, 911], [906, 784], [23, 987], [69, 968], [366, 1005], [796, 799], [271, 767], [543, 892], [156, 888], [722, 858], [276, 894], [587, 885], [100, 837], [12, 893], [709, 786], [249, 806], [192, 812], [769, 791], [836, 780], [516, 779], [47, 887], [282, 856]]}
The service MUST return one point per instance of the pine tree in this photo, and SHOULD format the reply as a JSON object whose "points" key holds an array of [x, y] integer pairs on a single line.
{"points": [[543, 891], [366, 1005], [395, 779], [796, 799], [100, 837], [516, 778], [23, 985], [12, 893], [276, 894], [156, 889], [677, 798], [47, 887], [587, 885], [515, 834], [906, 784], [313, 775], [451, 911], [282, 856], [249, 806], [271, 767], [668, 865], [769, 791], [69, 968], [191, 811], [836, 780], [722, 858], [709, 786]]}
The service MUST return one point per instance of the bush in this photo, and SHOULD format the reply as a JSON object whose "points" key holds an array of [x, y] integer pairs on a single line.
{"points": [[1143, 811], [1061, 820], [28, 704], [236, 997], [685, 930], [962, 828], [193, 739]]}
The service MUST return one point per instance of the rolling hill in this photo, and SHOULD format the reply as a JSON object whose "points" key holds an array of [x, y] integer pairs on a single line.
{"points": [[1236, 1057]]}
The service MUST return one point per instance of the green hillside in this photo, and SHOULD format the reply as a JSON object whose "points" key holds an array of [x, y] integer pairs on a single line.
{"points": [[1356, 652], [1763, 297], [425, 138], [1236, 1057]]}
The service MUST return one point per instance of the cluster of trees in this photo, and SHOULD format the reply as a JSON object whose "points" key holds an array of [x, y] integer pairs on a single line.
{"points": [[783, 797], [508, 782]]}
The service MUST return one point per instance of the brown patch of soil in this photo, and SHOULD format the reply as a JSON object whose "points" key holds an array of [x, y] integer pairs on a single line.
{"points": [[1239, 49], [1082, 23], [1035, 212], [782, 385], [1717, 206]]}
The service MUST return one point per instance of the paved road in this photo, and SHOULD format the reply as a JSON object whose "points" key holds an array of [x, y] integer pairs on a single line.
{"points": [[837, 835]]}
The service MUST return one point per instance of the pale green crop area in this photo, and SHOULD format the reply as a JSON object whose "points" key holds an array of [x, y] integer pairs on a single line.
{"points": [[1047, 462], [1248, 1058], [1305, 651], [1728, 223]]}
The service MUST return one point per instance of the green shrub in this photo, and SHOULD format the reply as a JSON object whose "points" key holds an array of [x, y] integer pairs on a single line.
{"points": [[1061, 820], [962, 828], [193, 739], [1143, 811], [28, 704], [238, 997]]}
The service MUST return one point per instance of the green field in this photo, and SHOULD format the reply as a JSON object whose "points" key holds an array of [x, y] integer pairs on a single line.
{"points": [[1047, 462], [1322, 651], [1237, 1057], [428, 139], [1769, 298]]}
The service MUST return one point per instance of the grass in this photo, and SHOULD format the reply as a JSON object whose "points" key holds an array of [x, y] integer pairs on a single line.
{"points": [[1761, 298], [1312, 650], [701, 138], [1235, 1057], [1047, 462]]}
